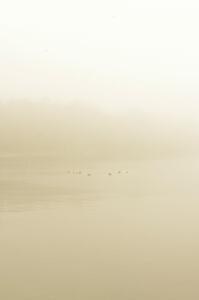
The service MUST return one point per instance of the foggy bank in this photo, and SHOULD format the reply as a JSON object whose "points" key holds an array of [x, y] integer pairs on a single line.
{"points": [[83, 131]]}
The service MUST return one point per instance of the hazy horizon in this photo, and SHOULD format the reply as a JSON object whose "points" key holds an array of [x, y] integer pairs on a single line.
{"points": [[124, 73], [83, 130]]}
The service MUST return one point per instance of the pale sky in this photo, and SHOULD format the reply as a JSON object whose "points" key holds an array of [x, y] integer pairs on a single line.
{"points": [[120, 52]]}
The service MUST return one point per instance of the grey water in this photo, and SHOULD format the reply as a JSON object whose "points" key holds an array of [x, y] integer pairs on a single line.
{"points": [[93, 231]]}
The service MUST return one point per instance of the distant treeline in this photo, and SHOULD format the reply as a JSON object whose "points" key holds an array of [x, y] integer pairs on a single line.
{"points": [[82, 131]]}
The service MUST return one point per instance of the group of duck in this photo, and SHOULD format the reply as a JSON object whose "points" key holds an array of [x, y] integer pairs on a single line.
{"points": [[90, 174]]}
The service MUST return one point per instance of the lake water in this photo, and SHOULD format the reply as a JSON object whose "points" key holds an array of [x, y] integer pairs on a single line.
{"points": [[132, 234]]}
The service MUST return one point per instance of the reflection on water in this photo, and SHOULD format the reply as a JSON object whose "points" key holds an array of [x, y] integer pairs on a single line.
{"points": [[67, 235]]}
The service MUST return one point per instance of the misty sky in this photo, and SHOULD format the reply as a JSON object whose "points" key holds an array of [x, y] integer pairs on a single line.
{"points": [[143, 54]]}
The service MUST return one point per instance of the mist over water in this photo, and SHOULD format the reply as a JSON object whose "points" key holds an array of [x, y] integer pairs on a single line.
{"points": [[96, 205], [99, 150], [85, 131]]}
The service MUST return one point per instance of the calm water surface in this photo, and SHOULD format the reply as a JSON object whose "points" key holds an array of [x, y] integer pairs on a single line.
{"points": [[120, 236]]}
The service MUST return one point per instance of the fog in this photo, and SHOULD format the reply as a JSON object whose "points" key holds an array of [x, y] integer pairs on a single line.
{"points": [[80, 130], [79, 221]]}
